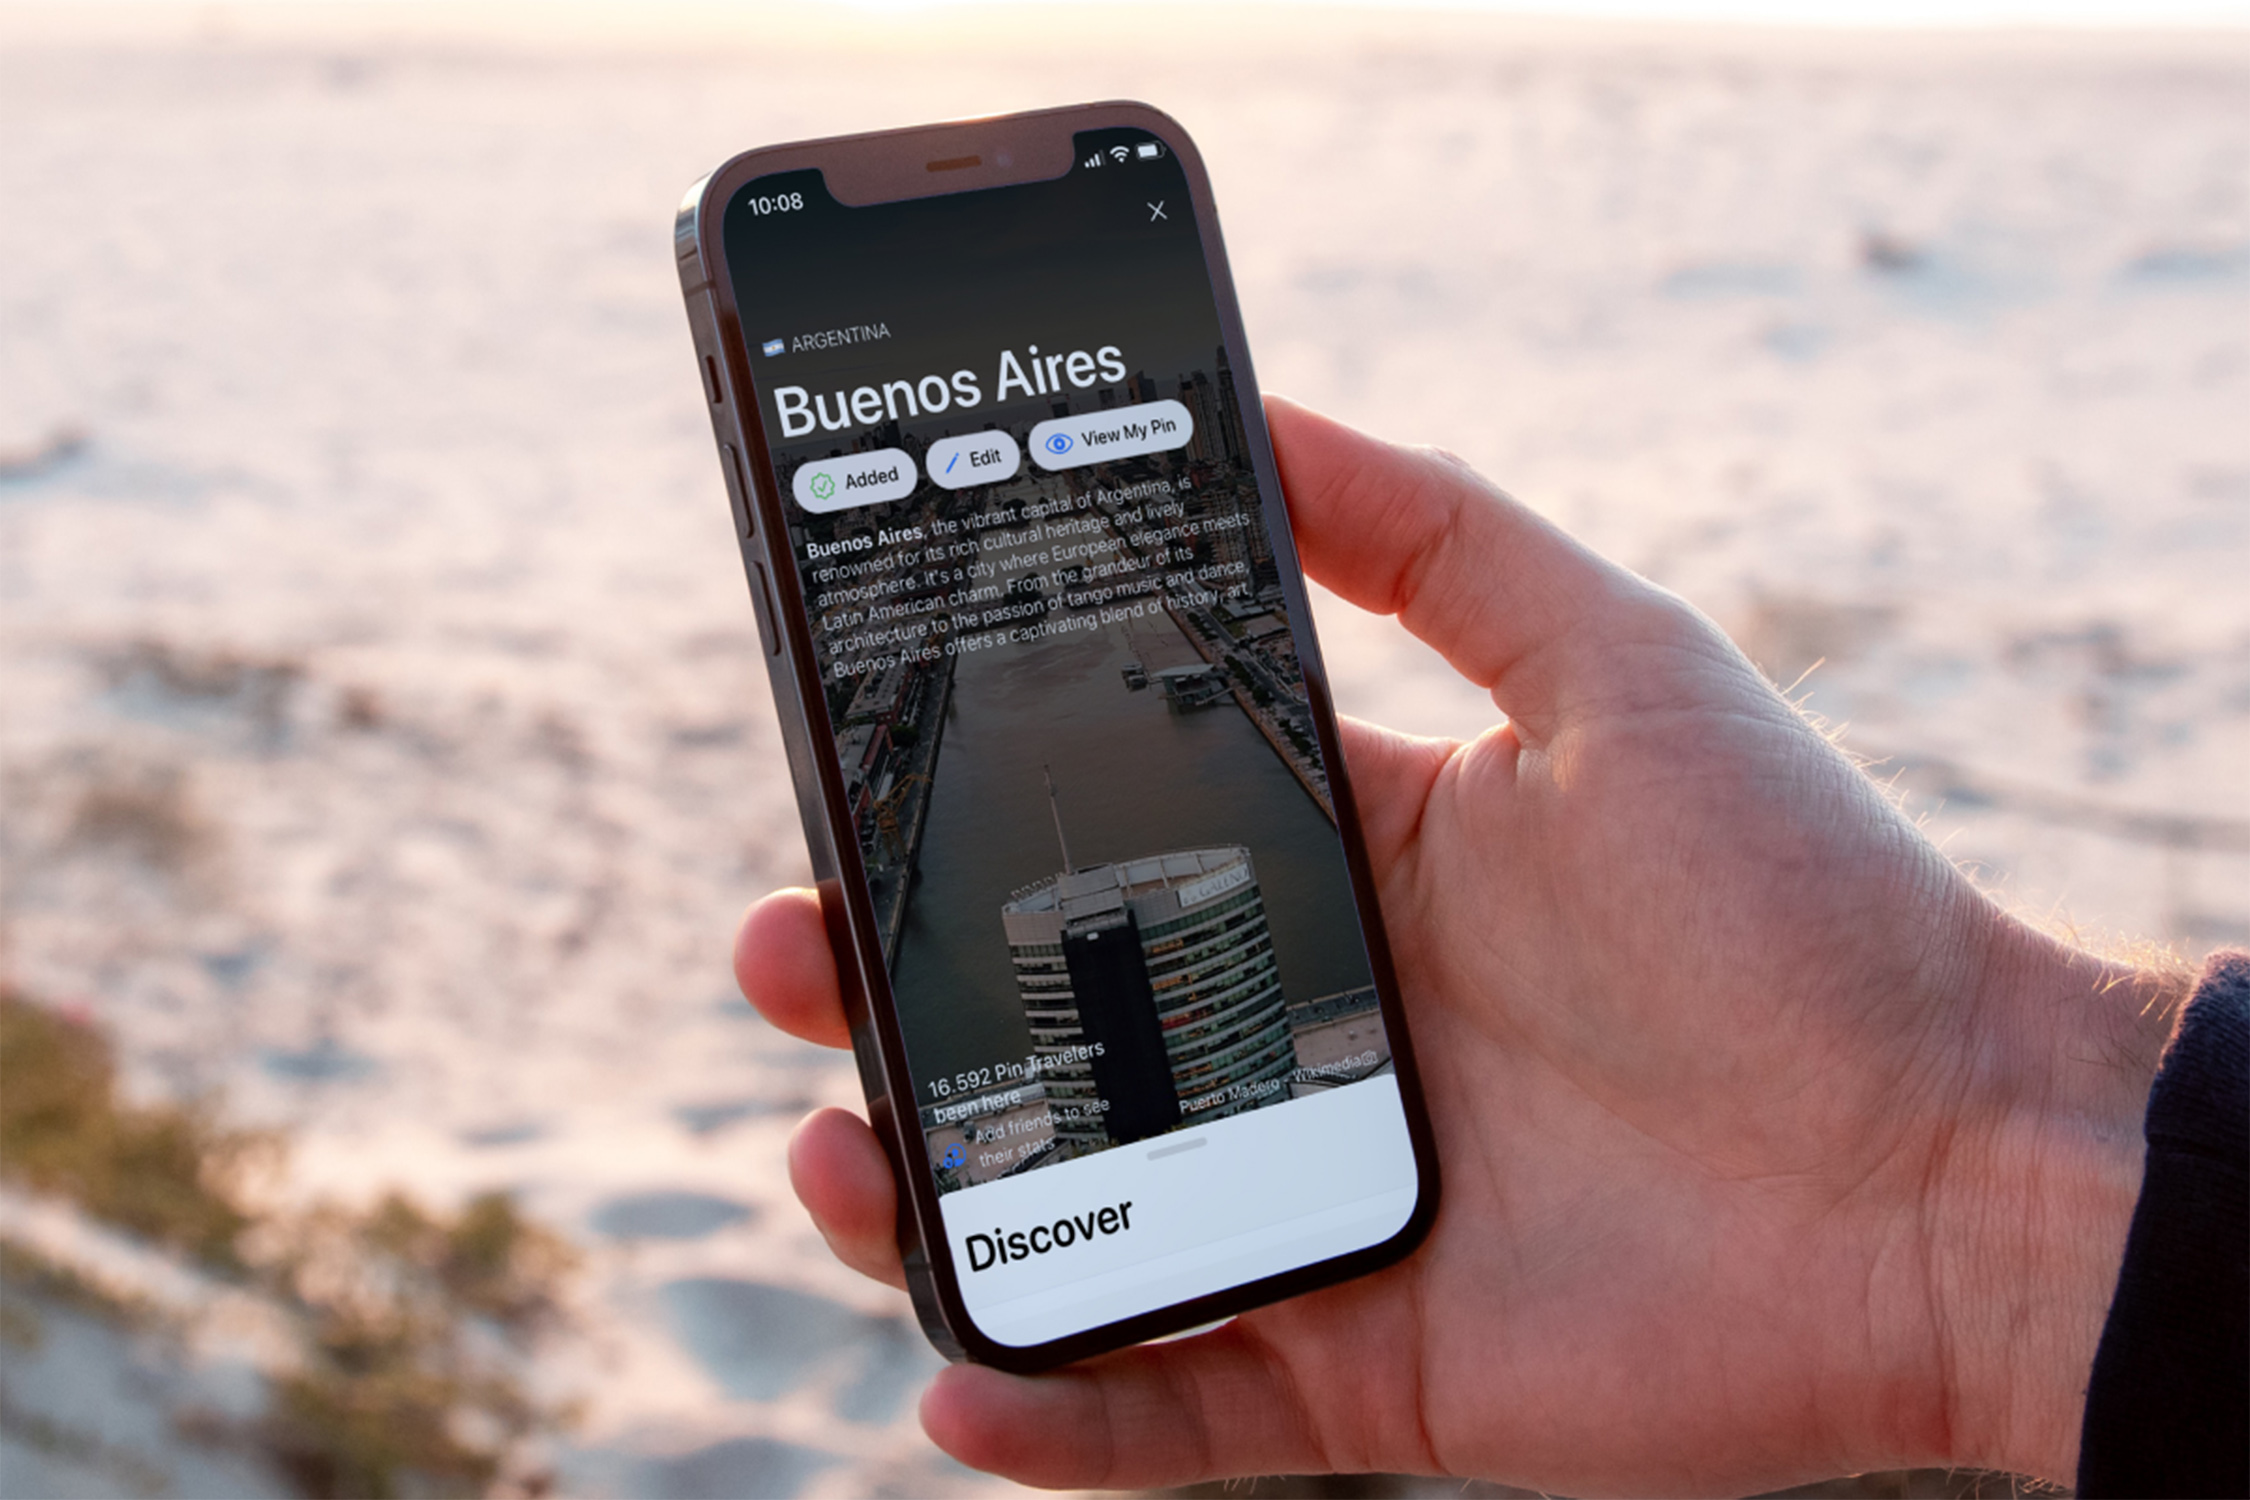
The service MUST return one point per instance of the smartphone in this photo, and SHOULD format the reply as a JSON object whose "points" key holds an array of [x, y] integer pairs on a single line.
{"points": [[1083, 838]]}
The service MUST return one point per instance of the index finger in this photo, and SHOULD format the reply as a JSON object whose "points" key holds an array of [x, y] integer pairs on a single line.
{"points": [[787, 970]]}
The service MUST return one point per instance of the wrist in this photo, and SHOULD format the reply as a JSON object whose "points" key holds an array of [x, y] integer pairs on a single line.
{"points": [[2029, 1228]]}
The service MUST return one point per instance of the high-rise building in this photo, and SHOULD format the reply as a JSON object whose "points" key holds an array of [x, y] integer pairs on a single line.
{"points": [[1152, 993], [1203, 407], [1230, 411]]}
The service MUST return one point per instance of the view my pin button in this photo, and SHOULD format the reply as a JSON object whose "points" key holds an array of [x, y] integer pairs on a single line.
{"points": [[1098, 436]]}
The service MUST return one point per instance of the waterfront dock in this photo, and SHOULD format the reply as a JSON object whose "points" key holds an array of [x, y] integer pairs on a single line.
{"points": [[1241, 669], [1284, 718]]}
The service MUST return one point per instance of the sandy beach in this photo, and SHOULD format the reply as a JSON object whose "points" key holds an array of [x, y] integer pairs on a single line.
{"points": [[385, 743]]}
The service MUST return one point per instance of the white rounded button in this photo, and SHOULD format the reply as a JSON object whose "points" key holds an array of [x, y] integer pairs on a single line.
{"points": [[974, 458], [854, 479]]}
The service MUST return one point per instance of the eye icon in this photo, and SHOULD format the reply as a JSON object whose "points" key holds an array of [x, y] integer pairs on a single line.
{"points": [[1058, 443]]}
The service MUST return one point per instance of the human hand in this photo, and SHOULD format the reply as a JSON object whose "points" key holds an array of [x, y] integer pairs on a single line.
{"points": [[1770, 1148]]}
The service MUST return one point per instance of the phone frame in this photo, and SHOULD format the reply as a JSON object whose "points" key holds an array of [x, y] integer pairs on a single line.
{"points": [[929, 161]]}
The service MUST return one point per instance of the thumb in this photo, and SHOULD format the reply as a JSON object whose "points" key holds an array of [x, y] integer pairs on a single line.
{"points": [[1502, 593]]}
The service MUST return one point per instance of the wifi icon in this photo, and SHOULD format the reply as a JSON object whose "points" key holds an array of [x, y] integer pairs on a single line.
{"points": [[1119, 153]]}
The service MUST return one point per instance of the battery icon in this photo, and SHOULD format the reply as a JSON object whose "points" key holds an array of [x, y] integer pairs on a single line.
{"points": [[1150, 151]]}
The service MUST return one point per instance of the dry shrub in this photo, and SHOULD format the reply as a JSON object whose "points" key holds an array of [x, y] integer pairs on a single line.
{"points": [[396, 1390], [404, 1318], [169, 1173]]}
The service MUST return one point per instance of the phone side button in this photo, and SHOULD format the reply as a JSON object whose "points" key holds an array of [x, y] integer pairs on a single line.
{"points": [[738, 490], [761, 596]]}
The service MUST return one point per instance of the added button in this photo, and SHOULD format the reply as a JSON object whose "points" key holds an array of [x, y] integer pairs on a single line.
{"points": [[855, 479]]}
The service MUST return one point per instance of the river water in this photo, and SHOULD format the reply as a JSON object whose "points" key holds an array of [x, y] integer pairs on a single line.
{"points": [[1132, 778]]}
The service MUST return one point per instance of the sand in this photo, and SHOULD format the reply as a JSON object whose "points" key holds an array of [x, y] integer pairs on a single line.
{"points": [[385, 741]]}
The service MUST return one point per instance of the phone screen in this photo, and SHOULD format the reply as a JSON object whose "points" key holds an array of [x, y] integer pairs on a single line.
{"points": [[1063, 676]]}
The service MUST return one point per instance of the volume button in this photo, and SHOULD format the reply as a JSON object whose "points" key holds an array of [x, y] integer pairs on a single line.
{"points": [[761, 595], [738, 490]]}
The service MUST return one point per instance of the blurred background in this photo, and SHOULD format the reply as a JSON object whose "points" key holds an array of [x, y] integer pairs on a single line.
{"points": [[385, 753]]}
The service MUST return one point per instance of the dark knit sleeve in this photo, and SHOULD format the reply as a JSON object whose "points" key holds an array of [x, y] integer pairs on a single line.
{"points": [[2168, 1407]]}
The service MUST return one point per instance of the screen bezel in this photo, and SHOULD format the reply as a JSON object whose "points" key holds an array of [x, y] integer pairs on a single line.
{"points": [[933, 161]]}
